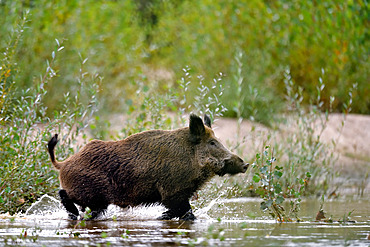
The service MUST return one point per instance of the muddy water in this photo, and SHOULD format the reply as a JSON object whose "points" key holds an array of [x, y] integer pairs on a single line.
{"points": [[235, 222]]}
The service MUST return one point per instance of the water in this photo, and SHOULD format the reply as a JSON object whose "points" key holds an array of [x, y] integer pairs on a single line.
{"points": [[231, 222]]}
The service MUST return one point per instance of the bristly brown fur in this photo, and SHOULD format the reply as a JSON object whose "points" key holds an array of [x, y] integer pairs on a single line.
{"points": [[145, 168]]}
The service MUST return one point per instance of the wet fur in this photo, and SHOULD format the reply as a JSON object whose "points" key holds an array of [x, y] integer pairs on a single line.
{"points": [[145, 168]]}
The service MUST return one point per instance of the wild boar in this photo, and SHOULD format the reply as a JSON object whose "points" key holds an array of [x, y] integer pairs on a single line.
{"points": [[155, 166]]}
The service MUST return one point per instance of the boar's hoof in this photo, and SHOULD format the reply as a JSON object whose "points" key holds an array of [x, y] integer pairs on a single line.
{"points": [[189, 216], [166, 216]]}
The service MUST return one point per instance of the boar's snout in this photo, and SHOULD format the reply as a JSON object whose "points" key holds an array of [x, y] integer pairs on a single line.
{"points": [[245, 167], [234, 165]]}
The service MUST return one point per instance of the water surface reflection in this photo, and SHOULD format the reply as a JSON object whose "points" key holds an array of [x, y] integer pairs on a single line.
{"points": [[235, 222]]}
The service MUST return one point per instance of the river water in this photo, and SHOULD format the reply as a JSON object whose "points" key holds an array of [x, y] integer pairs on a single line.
{"points": [[226, 222]]}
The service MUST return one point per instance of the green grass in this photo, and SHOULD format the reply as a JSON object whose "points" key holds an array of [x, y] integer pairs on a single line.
{"points": [[357, 157]]}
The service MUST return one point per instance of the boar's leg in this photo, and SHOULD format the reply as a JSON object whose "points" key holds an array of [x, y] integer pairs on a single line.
{"points": [[69, 205], [178, 209]]}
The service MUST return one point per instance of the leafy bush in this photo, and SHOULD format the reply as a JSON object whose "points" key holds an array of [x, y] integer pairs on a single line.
{"points": [[305, 36], [303, 147], [126, 38], [273, 191], [151, 110], [306, 163], [25, 128], [294, 161], [107, 34]]}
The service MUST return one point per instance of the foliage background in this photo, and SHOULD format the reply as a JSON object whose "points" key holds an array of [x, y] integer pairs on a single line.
{"points": [[246, 59], [151, 41]]}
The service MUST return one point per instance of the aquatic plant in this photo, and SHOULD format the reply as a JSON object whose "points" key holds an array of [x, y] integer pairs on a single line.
{"points": [[304, 148], [305, 163], [269, 186]]}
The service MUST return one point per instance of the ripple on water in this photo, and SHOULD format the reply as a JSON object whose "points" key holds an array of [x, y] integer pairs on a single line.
{"points": [[225, 222]]}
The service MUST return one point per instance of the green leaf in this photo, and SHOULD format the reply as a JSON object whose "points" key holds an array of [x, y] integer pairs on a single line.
{"points": [[260, 191], [279, 200], [256, 178], [269, 202], [278, 174], [265, 205], [264, 169], [278, 188]]}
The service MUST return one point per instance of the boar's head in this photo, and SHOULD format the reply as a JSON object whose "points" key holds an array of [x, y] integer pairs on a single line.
{"points": [[210, 154]]}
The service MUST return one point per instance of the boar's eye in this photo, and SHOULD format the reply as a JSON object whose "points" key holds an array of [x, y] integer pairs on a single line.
{"points": [[212, 142]]}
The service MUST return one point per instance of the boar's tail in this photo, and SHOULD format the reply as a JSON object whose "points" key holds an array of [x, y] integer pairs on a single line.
{"points": [[51, 145]]}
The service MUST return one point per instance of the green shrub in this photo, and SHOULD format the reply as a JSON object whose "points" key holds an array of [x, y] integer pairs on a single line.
{"points": [[270, 186], [291, 161], [25, 128], [107, 33], [125, 40], [305, 150], [168, 109], [306, 36]]}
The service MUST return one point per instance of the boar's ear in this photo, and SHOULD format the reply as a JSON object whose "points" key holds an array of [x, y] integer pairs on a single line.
{"points": [[207, 120], [196, 127]]}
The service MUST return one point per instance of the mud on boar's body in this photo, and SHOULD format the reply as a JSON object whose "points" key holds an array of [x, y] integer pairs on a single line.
{"points": [[145, 168]]}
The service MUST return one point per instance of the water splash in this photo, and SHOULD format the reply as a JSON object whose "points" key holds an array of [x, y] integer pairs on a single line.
{"points": [[46, 206], [134, 213], [45, 224], [51, 208], [202, 213]]}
